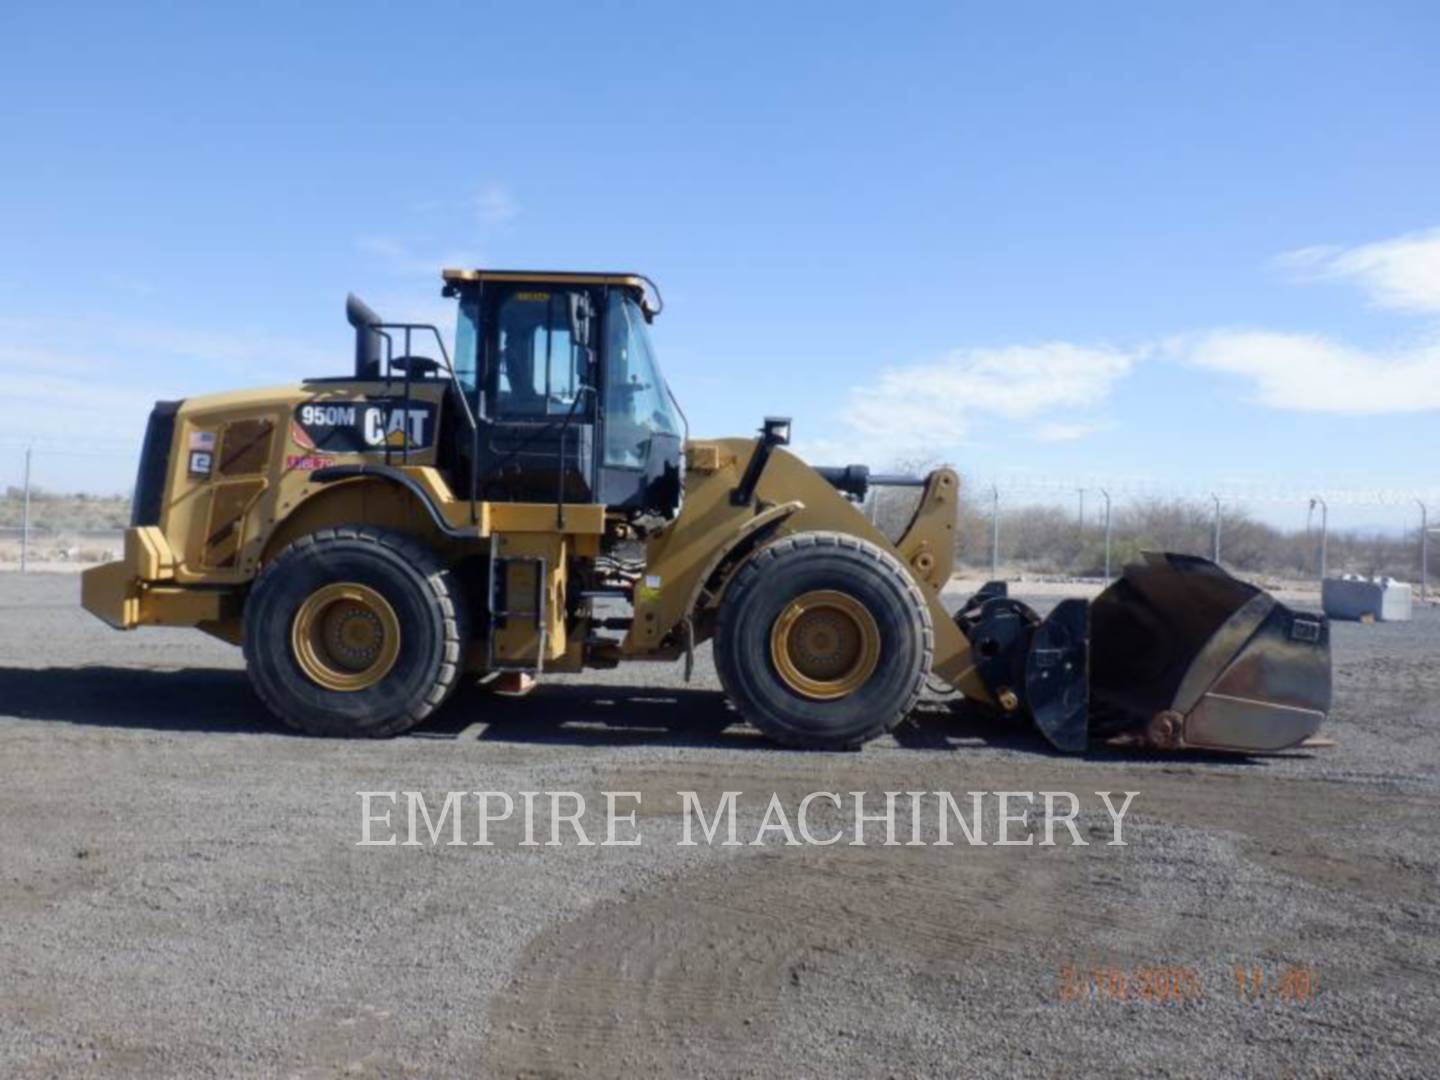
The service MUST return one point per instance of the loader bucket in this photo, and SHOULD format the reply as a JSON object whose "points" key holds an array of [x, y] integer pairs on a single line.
{"points": [[1186, 655], [1176, 653]]}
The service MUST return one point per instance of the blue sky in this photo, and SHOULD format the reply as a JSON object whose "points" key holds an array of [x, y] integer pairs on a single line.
{"points": [[1174, 246]]}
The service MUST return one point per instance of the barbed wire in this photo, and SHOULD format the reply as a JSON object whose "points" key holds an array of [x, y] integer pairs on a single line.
{"points": [[1232, 491], [55, 450], [980, 487]]}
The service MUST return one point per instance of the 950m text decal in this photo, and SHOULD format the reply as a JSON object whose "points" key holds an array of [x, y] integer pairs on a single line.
{"points": [[357, 427]]}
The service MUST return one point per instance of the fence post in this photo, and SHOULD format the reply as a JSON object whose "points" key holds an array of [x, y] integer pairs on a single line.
{"points": [[25, 518], [1216, 545], [1107, 533], [1424, 549], [994, 533], [1324, 530]]}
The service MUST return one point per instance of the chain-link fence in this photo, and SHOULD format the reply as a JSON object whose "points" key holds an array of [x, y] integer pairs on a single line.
{"points": [[1038, 527], [43, 525], [1007, 527]]}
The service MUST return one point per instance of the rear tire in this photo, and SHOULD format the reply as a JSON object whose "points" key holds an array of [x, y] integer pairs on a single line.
{"points": [[355, 632], [824, 641]]}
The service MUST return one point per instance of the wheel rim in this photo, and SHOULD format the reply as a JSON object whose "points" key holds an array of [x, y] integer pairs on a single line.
{"points": [[345, 637], [825, 644]]}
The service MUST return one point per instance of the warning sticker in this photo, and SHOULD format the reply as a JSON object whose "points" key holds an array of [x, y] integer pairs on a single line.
{"points": [[648, 589]]}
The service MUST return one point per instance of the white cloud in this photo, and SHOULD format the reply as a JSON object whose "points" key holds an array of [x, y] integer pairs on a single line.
{"points": [[402, 261], [64, 410], [423, 306], [488, 208], [257, 354], [38, 358], [1402, 273], [1067, 431], [89, 388], [1314, 373], [928, 408], [1311, 373], [495, 205], [132, 284]]}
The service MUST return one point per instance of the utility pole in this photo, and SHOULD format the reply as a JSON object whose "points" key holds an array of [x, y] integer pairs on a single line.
{"points": [[1424, 548], [25, 517], [1324, 530], [994, 533], [1080, 518], [1215, 558], [1107, 533]]}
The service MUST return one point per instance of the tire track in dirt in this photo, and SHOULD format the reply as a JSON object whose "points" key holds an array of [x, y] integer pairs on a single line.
{"points": [[706, 971]]}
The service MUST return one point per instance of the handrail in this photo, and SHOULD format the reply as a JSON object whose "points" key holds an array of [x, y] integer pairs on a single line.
{"points": [[470, 418], [381, 327]]}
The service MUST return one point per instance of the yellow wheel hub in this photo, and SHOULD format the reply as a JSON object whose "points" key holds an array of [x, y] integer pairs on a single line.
{"points": [[345, 637], [825, 644]]}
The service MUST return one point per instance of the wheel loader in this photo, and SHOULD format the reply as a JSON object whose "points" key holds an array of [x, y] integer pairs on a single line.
{"points": [[528, 499]]}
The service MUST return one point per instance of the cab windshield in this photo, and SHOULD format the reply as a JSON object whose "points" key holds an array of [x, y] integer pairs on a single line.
{"points": [[638, 405]]}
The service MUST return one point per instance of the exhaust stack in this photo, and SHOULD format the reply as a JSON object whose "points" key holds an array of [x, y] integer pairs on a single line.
{"points": [[367, 341]]}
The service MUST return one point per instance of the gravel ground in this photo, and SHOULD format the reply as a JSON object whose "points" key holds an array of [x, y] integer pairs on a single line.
{"points": [[181, 893]]}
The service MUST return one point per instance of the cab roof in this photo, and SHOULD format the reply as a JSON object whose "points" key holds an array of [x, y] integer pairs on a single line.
{"points": [[647, 291]]}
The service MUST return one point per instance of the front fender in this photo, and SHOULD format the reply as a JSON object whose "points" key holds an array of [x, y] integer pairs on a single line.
{"points": [[682, 556]]}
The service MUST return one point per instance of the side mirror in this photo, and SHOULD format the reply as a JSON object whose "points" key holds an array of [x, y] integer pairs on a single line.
{"points": [[775, 431], [582, 314]]}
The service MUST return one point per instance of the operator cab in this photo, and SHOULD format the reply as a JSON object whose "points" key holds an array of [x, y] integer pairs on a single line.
{"points": [[561, 375], [555, 391]]}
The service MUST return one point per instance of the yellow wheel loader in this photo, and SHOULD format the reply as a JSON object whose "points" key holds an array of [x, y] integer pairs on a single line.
{"points": [[528, 499]]}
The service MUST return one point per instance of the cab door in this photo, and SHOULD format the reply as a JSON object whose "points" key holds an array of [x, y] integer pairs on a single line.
{"points": [[539, 415]]}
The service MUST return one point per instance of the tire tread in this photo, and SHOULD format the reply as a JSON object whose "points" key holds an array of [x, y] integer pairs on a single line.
{"points": [[891, 567], [444, 589]]}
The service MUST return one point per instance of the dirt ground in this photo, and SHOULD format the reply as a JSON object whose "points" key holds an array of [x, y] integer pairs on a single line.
{"points": [[181, 893]]}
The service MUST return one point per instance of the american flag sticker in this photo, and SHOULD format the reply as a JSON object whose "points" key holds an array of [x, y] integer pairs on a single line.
{"points": [[202, 440]]}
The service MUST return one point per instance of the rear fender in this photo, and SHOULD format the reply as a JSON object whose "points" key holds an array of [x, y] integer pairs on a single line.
{"points": [[368, 499]]}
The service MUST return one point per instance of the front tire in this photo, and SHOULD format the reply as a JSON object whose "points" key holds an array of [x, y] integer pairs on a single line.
{"points": [[354, 632], [823, 641]]}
